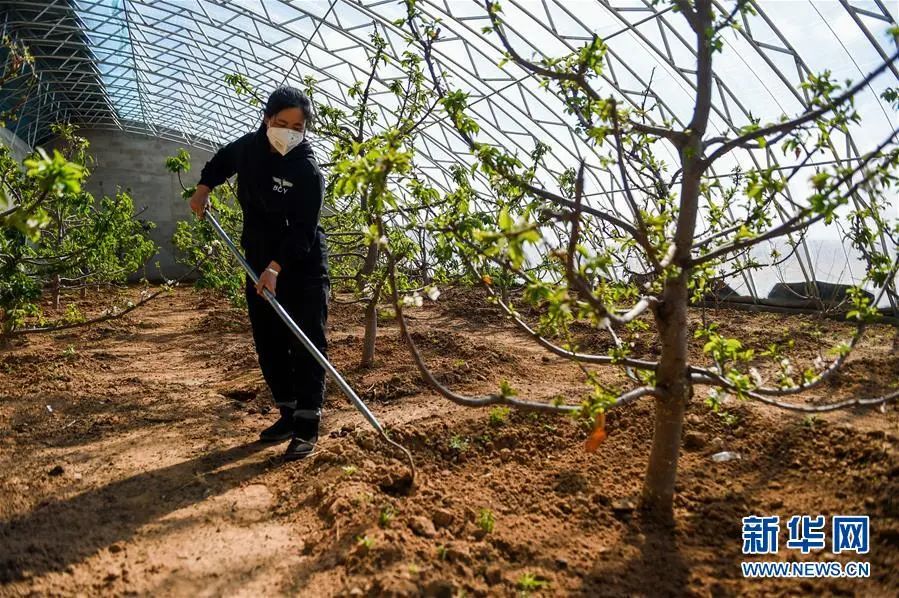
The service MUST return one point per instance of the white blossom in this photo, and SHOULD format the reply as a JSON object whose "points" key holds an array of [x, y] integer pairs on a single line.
{"points": [[413, 300], [756, 377], [433, 293], [786, 366]]}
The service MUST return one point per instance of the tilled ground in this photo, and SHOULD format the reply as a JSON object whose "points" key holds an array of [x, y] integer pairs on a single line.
{"points": [[128, 465]]}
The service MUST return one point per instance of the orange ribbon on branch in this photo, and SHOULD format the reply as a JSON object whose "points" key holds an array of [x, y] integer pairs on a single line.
{"points": [[598, 435]]}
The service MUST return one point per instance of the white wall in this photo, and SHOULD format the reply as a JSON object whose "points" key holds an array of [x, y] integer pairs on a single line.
{"points": [[20, 149], [136, 162]]}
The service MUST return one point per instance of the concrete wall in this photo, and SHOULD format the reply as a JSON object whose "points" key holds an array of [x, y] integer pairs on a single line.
{"points": [[20, 149], [136, 163]]}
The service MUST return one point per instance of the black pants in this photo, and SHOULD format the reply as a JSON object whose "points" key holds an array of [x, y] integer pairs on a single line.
{"points": [[296, 380]]}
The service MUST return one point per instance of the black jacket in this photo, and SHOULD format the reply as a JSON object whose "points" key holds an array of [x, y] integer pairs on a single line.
{"points": [[281, 198]]}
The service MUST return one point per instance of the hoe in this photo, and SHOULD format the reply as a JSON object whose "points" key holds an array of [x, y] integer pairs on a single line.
{"points": [[330, 369]]}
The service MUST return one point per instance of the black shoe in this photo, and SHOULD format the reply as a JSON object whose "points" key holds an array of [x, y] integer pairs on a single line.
{"points": [[299, 448], [280, 430]]}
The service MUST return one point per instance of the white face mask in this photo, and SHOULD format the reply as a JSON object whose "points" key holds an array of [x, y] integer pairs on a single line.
{"points": [[283, 139]]}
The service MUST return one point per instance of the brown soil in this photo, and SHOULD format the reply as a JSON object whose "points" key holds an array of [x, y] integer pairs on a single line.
{"points": [[128, 465]]}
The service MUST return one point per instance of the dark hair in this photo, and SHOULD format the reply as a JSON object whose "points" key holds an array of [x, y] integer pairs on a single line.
{"points": [[289, 97]]}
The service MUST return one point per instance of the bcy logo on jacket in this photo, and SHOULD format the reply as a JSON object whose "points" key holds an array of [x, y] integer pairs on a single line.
{"points": [[281, 185]]}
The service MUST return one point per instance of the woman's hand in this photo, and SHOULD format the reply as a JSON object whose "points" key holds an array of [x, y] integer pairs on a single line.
{"points": [[199, 200], [268, 279]]}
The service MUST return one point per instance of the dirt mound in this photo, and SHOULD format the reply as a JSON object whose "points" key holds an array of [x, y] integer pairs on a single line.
{"points": [[228, 319], [526, 503]]}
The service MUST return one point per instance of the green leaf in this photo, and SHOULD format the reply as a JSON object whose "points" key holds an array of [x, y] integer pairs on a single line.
{"points": [[819, 181], [504, 220]]}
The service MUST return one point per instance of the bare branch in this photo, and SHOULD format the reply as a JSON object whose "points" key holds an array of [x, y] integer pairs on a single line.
{"points": [[807, 117], [801, 220], [805, 407], [580, 78], [351, 301], [642, 391], [706, 376], [635, 311], [103, 318], [364, 103], [351, 233], [482, 401], [557, 350], [413, 126], [678, 138], [737, 9], [532, 66], [628, 194], [9, 211], [347, 254], [577, 281]]}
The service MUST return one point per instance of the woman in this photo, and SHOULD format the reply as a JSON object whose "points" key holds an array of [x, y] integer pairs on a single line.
{"points": [[281, 189]]}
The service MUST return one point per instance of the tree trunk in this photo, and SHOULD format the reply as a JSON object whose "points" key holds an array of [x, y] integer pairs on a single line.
{"points": [[371, 328], [673, 381], [424, 269], [371, 310], [371, 256], [368, 267], [56, 291]]}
